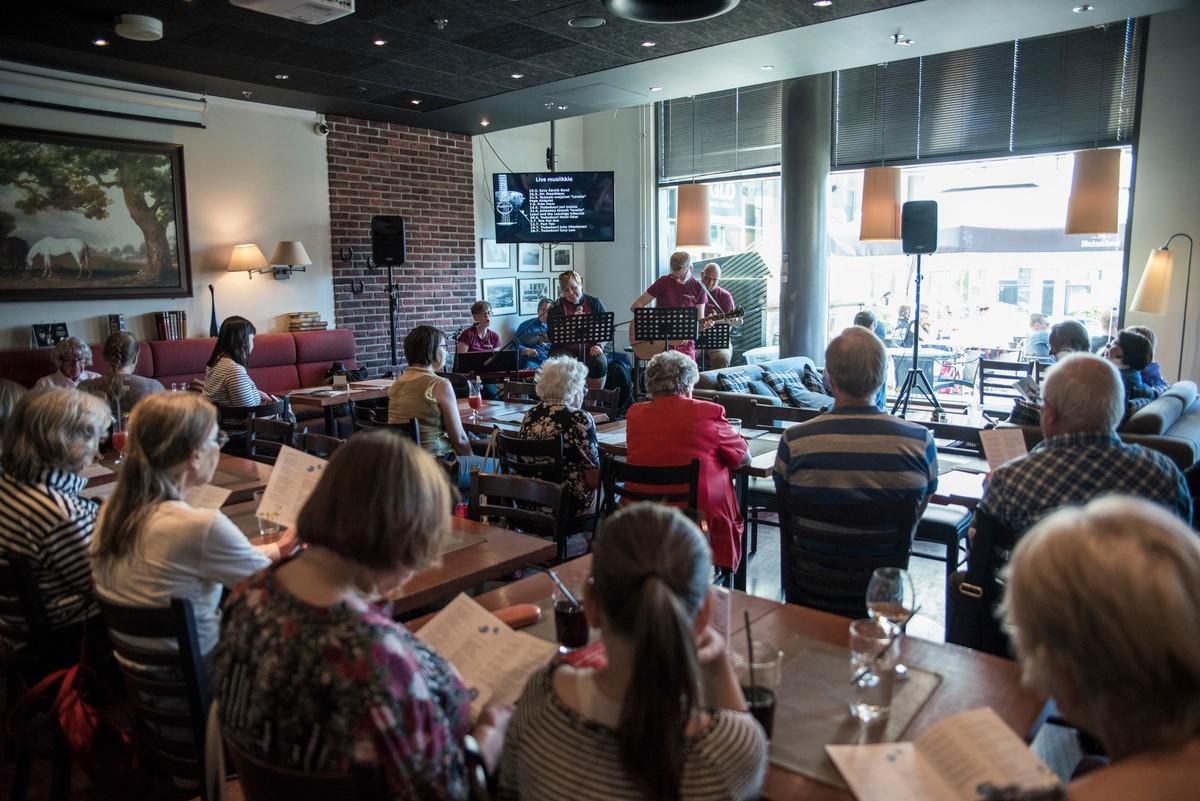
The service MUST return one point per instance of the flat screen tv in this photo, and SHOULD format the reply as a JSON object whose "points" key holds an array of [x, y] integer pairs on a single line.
{"points": [[553, 206]]}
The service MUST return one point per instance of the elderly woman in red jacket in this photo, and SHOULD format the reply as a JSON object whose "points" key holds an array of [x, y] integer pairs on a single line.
{"points": [[673, 428]]}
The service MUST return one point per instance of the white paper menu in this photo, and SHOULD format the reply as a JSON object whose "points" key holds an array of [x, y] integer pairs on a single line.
{"points": [[293, 478], [1002, 444], [206, 496]]}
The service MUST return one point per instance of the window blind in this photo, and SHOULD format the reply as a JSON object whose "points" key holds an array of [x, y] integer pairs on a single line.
{"points": [[719, 133], [1059, 92]]}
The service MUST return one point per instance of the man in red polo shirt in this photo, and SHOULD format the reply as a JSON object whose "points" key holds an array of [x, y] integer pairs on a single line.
{"points": [[679, 288]]}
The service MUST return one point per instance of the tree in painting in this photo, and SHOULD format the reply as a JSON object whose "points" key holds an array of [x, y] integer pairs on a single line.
{"points": [[75, 179]]}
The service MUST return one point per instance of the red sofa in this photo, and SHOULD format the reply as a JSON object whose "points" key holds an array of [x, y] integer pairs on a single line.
{"points": [[279, 362]]}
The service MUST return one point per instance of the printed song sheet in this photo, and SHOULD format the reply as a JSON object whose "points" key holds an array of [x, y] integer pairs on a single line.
{"points": [[1002, 444], [206, 496], [293, 478]]}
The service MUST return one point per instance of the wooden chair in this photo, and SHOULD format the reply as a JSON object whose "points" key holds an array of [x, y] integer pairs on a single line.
{"points": [[973, 598], [458, 382], [321, 445], [828, 551], [770, 417], [996, 379], [675, 484], [262, 781], [531, 458], [171, 694], [525, 504], [519, 391], [232, 420], [363, 417], [603, 401], [266, 436]]}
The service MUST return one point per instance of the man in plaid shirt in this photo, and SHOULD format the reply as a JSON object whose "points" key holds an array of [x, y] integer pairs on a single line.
{"points": [[1081, 456]]}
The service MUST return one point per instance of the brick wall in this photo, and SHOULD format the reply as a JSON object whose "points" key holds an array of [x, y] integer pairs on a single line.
{"points": [[425, 177]]}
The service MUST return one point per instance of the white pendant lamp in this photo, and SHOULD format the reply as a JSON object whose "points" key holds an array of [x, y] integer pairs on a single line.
{"points": [[881, 204], [691, 216], [1092, 208]]}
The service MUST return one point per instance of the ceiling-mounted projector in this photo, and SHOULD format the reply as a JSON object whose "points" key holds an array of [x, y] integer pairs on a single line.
{"points": [[311, 12], [139, 28]]}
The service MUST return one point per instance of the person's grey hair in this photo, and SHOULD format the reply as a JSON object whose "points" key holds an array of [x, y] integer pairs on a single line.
{"points": [[1037, 318], [53, 429], [856, 362], [1086, 392], [1104, 604], [670, 373], [560, 379], [10, 393], [71, 346], [866, 319]]}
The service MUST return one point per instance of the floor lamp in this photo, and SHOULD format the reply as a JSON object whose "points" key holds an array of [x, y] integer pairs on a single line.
{"points": [[1155, 286]]}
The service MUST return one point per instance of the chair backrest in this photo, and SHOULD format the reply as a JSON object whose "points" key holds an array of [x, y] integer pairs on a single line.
{"points": [[768, 416], [603, 401], [364, 417], [167, 688], [829, 551], [519, 391], [321, 445], [262, 781], [971, 605], [232, 420], [266, 436], [20, 600], [531, 458], [525, 504], [996, 378], [458, 382], [675, 484], [409, 428]]}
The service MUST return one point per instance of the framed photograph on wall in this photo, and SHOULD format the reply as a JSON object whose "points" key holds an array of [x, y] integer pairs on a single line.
{"points": [[502, 294], [85, 217], [529, 258], [495, 256], [532, 291], [562, 258]]}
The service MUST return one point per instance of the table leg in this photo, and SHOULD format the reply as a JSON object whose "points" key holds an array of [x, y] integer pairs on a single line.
{"points": [[743, 497], [330, 422]]}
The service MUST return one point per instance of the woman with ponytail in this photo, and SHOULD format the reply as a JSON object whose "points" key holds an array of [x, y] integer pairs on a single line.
{"points": [[150, 545], [665, 719]]}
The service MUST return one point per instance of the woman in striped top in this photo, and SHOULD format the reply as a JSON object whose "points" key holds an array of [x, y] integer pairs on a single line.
{"points": [[52, 435], [226, 382], [665, 719]]}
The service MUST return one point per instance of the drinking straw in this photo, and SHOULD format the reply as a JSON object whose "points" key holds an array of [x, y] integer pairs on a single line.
{"points": [[749, 648], [563, 589]]}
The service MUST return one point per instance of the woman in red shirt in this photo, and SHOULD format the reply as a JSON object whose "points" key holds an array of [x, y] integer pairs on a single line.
{"points": [[673, 428]]}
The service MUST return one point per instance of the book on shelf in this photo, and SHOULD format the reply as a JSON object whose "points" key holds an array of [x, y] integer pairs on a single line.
{"points": [[316, 326], [116, 322], [170, 324], [305, 315]]}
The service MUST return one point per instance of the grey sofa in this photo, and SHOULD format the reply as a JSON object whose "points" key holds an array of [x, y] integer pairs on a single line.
{"points": [[743, 405]]}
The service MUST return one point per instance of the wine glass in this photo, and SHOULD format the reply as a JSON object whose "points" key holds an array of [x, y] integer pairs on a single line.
{"points": [[475, 397], [120, 437], [892, 600]]}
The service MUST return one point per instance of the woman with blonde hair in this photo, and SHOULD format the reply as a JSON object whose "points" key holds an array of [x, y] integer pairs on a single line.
{"points": [[378, 693], [151, 545], [72, 358], [572, 301], [50, 438], [118, 385], [1105, 605], [665, 718], [560, 383]]}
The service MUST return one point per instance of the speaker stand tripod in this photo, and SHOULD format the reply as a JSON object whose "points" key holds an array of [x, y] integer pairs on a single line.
{"points": [[916, 378], [392, 291]]}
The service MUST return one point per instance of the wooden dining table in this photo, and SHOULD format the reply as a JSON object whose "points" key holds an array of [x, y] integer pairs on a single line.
{"points": [[969, 679], [241, 476]]}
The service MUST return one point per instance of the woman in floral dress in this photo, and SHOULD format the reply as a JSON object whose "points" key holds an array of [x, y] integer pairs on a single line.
{"points": [[313, 676]]}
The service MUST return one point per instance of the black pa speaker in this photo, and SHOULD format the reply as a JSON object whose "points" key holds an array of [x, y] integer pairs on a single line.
{"points": [[918, 226], [387, 239]]}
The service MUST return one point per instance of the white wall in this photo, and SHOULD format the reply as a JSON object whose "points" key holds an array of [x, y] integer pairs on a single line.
{"points": [[520, 150], [1166, 198], [256, 173]]}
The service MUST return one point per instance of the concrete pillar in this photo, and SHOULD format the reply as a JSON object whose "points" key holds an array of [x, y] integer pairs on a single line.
{"points": [[804, 290]]}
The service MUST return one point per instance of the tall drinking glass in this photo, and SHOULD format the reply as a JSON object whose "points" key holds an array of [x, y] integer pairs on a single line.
{"points": [[475, 397], [120, 437], [892, 601]]}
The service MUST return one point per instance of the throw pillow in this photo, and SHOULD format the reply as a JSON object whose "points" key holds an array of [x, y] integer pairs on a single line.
{"points": [[813, 380], [733, 382], [786, 384], [759, 387]]}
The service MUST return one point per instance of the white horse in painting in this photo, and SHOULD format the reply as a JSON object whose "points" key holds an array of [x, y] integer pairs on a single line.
{"points": [[49, 247]]}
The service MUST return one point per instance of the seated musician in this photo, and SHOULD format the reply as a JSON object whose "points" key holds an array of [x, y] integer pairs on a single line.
{"points": [[479, 338], [720, 302], [680, 288], [533, 337], [572, 301]]}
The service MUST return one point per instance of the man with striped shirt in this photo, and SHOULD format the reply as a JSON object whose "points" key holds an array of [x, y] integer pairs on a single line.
{"points": [[856, 453]]}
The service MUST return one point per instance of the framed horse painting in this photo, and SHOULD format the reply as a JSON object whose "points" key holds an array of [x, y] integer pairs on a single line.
{"points": [[86, 217]]}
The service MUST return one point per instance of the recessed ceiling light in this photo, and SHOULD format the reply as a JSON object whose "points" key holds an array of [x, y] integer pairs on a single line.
{"points": [[282, 76], [100, 42], [901, 40], [655, 88], [379, 42], [767, 67], [516, 76], [562, 108], [1083, 9], [415, 102], [548, 105], [484, 123], [822, 3], [586, 22], [648, 43]]}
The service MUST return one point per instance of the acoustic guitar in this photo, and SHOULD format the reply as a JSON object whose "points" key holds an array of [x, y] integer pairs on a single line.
{"points": [[647, 348]]}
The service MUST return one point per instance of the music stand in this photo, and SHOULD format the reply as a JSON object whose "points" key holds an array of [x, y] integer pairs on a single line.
{"points": [[717, 337], [666, 323], [581, 329]]}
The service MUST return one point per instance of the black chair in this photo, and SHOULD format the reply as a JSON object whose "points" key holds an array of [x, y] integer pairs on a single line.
{"points": [[996, 379], [266, 436], [973, 597], [674, 484], [531, 458], [525, 504], [458, 382], [770, 417], [1192, 476], [603, 401], [169, 697], [365, 417], [519, 391], [829, 551], [262, 781], [409, 428], [947, 526], [26, 666], [321, 445], [232, 420]]}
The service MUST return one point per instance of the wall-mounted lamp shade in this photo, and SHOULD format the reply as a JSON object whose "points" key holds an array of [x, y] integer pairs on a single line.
{"points": [[1095, 184], [290, 252], [691, 218], [245, 258], [1155, 284], [881, 204]]}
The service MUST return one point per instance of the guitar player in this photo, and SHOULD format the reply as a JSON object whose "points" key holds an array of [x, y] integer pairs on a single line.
{"points": [[721, 302], [679, 288]]}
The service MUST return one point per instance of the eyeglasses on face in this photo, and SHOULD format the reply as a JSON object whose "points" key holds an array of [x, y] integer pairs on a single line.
{"points": [[222, 438]]}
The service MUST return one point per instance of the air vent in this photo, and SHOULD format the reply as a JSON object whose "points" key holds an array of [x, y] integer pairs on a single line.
{"points": [[311, 12]]}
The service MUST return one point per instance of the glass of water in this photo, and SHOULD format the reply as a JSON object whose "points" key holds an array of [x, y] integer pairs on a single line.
{"points": [[267, 529], [735, 423], [872, 669]]}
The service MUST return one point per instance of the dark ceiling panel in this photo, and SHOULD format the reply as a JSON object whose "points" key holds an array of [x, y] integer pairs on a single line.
{"points": [[516, 41]]}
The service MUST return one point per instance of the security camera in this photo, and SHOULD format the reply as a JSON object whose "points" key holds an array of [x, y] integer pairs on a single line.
{"points": [[321, 128]]}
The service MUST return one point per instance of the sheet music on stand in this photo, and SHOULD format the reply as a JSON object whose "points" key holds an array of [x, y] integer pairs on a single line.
{"points": [[580, 329], [672, 322], [715, 338]]}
